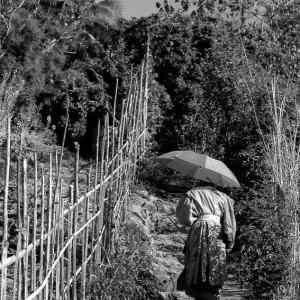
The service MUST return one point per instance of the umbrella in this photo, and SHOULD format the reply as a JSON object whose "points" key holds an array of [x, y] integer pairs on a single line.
{"points": [[200, 167]]}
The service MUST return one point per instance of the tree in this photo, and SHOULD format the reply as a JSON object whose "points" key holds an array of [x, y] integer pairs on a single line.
{"points": [[59, 48], [241, 10]]}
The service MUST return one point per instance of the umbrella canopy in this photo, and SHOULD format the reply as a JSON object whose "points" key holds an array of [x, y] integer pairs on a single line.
{"points": [[200, 167]]}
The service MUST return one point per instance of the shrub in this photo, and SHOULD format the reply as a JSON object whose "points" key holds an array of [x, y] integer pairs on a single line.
{"points": [[264, 252], [270, 222], [126, 272], [10, 88]]}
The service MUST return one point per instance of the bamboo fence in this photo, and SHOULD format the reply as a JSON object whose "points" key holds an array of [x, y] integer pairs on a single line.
{"points": [[58, 238]]}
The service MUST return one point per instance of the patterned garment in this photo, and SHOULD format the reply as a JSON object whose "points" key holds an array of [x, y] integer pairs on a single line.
{"points": [[205, 253]]}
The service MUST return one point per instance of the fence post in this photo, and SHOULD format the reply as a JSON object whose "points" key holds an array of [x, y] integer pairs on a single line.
{"points": [[33, 256], [48, 246], [70, 232], [94, 202], [76, 169], [41, 266], [62, 238], [5, 214]]}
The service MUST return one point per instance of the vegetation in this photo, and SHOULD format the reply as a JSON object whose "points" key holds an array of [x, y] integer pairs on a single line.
{"points": [[126, 272], [223, 79]]}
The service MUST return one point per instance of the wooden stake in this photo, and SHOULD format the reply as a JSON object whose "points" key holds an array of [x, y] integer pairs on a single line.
{"points": [[114, 118], [48, 246], [75, 219], [5, 243], [107, 141], [57, 243], [24, 194], [33, 256], [17, 270], [27, 228], [41, 266], [84, 239], [62, 239], [94, 202], [70, 231]]}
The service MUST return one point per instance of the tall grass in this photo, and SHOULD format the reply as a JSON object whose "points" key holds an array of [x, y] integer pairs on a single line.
{"points": [[280, 135]]}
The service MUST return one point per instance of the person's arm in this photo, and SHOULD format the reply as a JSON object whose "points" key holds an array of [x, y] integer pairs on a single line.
{"points": [[185, 211], [229, 224]]}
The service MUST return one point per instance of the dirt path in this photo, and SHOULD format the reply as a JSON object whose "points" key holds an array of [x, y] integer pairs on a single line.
{"points": [[155, 210]]}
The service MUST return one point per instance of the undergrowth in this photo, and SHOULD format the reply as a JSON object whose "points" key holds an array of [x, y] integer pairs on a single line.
{"points": [[263, 245], [126, 272]]}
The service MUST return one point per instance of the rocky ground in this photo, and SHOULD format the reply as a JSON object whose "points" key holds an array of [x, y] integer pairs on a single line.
{"points": [[155, 210]]}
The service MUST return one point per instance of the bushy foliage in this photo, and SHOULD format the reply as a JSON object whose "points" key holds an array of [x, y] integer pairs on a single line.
{"points": [[126, 272], [263, 246], [61, 47], [10, 87]]}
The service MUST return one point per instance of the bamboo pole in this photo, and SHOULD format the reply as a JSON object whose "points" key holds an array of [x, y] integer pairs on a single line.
{"points": [[48, 246], [114, 118], [19, 216], [112, 185], [74, 258], [136, 122], [120, 141], [56, 162], [85, 208], [5, 242], [33, 256], [41, 266], [54, 235], [94, 202], [17, 273], [100, 219], [57, 242], [19, 196], [126, 122], [87, 230], [70, 232], [146, 91], [108, 204], [62, 238], [24, 190], [24, 196], [26, 265], [121, 133], [130, 82], [107, 141]]}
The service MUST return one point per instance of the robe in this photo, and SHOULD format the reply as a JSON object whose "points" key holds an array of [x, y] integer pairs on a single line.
{"points": [[205, 250]]}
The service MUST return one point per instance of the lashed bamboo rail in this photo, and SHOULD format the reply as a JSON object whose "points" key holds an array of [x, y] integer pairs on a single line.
{"points": [[60, 237]]}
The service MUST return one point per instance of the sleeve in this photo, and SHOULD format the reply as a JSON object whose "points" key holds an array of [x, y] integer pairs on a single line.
{"points": [[229, 224], [185, 211]]}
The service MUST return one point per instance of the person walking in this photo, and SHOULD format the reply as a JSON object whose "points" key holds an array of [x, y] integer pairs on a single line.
{"points": [[210, 214]]}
